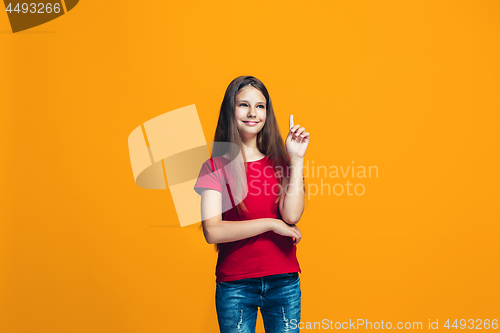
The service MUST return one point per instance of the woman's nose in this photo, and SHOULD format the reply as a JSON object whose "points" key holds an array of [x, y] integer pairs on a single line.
{"points": [[252, 111]]}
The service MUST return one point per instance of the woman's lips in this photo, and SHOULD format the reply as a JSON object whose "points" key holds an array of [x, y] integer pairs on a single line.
{"points": [[250, 123]]}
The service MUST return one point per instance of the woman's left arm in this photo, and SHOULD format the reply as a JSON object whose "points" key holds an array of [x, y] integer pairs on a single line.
{"points": [[292, 204]]}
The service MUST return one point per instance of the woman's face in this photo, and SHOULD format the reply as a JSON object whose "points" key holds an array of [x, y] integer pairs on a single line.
{"points": [[250, 112]]}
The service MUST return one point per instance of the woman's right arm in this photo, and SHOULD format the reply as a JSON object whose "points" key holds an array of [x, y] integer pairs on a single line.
{"points": [[218, 231]]}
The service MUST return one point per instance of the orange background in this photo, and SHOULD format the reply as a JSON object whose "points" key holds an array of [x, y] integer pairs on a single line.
{"points": [[412, 88]]}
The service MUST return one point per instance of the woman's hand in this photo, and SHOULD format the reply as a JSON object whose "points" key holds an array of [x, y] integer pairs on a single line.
{"points": [[296, 141], [283, 229]]}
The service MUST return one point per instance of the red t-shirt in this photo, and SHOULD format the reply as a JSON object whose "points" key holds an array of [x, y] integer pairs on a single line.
{"points": [[261, 255]]}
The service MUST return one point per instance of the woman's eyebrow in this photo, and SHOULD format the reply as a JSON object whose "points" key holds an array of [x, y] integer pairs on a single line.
{"points": [[243, 100]]}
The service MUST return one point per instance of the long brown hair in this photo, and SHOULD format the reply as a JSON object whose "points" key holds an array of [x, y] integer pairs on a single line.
{"points": [[269, 139]]}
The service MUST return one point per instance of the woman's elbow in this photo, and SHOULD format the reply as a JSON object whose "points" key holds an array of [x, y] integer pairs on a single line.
{"points": [[209, 237], [294, 219], [291, 216], [210, 240]]}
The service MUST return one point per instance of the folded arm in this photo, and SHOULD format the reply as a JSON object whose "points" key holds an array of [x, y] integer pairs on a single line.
{"points": [[218, 231]]}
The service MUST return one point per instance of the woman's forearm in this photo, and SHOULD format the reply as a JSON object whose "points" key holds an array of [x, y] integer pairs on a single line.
{"points": [[293, 202], [230, 231]]}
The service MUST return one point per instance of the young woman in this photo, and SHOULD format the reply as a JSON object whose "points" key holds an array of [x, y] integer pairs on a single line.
{"points": [[257, 264]]}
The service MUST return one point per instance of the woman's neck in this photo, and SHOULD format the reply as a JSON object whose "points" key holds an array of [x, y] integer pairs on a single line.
{"points": [[250, 148]]}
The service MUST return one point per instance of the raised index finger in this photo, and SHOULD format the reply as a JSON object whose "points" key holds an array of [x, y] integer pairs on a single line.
{"points": [[291, 121]]}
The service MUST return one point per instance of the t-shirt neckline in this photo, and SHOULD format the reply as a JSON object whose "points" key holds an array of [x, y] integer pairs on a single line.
{"points": [[260, 159]]}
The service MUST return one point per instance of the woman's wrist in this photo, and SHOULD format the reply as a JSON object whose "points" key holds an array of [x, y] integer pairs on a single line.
{"points": [[294, 160], [272, 224]]}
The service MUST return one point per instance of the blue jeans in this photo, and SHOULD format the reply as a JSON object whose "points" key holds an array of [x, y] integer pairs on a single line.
{"points": [[278, 297]]}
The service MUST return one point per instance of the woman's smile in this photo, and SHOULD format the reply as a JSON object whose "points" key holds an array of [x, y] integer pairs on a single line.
{"points": [[250, 122]]}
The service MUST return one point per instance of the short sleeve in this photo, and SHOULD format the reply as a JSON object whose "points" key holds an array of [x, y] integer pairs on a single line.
{"points": [[208, 179]]}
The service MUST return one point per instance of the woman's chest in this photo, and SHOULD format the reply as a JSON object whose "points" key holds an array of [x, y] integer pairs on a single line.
{"points": [[263, 192]]}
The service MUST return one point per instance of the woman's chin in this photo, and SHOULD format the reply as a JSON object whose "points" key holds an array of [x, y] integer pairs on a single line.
{"points": [[250, 130]]}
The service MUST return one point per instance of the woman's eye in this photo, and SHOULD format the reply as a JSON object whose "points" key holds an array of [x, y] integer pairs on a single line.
{"points": [[246, 105]]}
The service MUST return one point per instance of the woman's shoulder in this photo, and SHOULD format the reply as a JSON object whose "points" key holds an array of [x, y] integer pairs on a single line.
{"points": [[216, 161]]}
